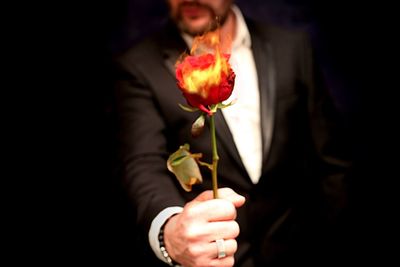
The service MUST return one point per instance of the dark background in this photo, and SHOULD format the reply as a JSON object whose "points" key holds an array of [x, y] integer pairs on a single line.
{"points": [[80, 213]]}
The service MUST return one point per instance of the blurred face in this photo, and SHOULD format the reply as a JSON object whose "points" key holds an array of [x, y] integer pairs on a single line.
{"points": [[198, 16]]}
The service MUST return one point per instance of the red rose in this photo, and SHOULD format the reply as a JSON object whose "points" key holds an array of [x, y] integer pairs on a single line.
{"points": [[205, 80]]}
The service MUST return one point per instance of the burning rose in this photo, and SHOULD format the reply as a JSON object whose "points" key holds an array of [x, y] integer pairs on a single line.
{"points": [[206, 79]]}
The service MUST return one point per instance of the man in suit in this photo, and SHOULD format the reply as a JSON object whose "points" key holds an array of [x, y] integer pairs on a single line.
{"points": [[281, 170]]}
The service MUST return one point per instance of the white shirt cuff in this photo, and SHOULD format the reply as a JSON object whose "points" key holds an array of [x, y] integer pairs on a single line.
{"points": [[155, 227]]}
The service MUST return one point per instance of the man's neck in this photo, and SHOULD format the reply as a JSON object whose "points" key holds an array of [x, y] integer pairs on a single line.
{"points": [[228, 29]]}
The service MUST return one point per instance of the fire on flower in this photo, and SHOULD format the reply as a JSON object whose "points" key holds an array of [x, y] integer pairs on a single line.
{"points": [[205, 77]]}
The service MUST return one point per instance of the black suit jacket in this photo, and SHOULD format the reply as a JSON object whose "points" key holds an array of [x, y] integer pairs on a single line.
{"points": [[288, 215]]}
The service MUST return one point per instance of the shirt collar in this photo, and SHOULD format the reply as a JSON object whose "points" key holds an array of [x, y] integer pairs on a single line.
{"points": [[242, 35]]}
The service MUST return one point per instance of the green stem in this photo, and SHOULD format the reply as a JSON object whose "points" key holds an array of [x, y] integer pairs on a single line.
{"points": [[215, 157]]}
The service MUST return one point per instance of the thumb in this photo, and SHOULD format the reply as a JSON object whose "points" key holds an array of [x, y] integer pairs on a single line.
{"points": [[230, 195], [223, 193], [205, 195]]}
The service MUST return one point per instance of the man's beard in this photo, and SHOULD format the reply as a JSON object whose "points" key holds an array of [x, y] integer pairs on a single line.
{"points": [[218, 20]]}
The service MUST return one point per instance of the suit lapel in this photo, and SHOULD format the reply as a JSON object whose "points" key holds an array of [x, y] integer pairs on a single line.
{"points": [[226, 140], [170, 58], [173, 47], [262, 52]]}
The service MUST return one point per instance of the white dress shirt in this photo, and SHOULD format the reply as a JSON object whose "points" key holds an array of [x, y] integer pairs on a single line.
{"points": [[243, 117]]}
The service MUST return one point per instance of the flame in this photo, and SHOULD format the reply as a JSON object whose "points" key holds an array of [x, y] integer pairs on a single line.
{"points": [[198, 80]]}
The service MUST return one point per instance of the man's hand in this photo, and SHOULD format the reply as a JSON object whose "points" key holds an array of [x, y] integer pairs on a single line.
{"points": [[190, 236]]}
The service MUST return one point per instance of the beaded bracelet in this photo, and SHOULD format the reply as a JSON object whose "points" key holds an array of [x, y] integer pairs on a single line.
{"points": [[164, 252]]}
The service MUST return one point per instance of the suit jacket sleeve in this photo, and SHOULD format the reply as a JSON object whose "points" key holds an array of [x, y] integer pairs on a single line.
{"points": [[142, 143]]}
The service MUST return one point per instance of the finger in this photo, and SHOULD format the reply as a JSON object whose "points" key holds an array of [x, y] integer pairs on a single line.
{"points": [[223, 229], [213, 210], [205, 195], [224, 262], [230, 248], [230, 195], [200, 254], [223, 193]]}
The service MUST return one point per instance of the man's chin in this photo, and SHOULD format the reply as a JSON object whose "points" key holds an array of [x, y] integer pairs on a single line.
{"points": [[197, 28]]}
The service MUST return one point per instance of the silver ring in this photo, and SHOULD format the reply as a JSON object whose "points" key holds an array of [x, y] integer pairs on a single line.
{"points": [[221, 248]]}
